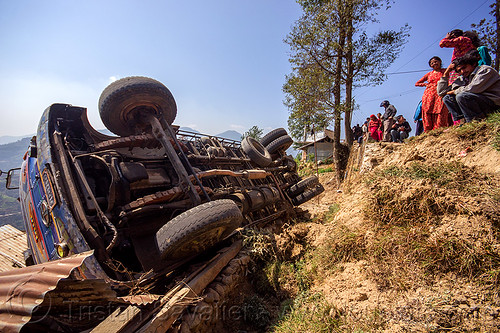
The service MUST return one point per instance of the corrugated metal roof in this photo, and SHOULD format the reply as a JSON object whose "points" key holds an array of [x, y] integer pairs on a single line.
{"points": [[320, 136], [23, 289], [12, 245]]}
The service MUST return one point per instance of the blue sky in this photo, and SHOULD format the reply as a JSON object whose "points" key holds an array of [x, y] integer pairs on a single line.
{"points": [[224, 60]]}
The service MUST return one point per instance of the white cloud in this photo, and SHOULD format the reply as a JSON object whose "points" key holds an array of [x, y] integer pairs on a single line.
{"points": [[112, 79]]}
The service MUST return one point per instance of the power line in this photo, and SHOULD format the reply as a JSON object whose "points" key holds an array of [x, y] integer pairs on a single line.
{"points": [[416, 71], [396, 95], [422, 51], [437, 40]]}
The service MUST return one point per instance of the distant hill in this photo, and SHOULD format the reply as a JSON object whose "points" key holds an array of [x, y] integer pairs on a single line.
{"points": [[189, 129], [9, 138], [11, 154], [233, 135]]}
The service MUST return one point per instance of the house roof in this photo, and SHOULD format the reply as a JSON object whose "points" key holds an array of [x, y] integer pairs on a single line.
{"points": [[326, 135], [12, 245]]}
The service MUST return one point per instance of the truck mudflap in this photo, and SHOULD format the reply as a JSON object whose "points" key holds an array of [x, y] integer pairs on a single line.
{"points": [[23, 290]]}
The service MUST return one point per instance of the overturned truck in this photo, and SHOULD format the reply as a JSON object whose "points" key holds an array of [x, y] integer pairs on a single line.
{"points": [[153, 197]]}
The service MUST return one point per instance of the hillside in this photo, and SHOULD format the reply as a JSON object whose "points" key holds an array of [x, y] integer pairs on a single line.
{"points": [[11, 156], [410, 243], [230, 134]]}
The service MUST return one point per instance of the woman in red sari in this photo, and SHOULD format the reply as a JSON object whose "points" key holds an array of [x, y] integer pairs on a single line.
{"points": [[434, 112], [374, 128]]}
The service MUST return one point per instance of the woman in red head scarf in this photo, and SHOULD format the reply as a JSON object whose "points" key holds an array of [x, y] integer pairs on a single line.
{"points": [[374, 128]]}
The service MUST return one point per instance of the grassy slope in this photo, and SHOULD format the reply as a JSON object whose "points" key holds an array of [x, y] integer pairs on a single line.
{"points": [[412, 245]]}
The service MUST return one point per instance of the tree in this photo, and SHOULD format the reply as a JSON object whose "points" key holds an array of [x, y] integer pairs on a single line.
{"points": [[330, 55], [489, 31], [254, 132], [307, 98]]}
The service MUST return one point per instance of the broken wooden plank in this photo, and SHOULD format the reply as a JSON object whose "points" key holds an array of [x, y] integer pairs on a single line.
{"points": [[175, 306], [118, 320], [172, 304]]}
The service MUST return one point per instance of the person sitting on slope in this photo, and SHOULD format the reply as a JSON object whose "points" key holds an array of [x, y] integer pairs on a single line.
{"points": [[400, 130], [475, 93]]}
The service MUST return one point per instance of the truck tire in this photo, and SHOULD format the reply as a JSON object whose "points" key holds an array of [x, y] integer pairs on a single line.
{"points": [[197, 229], [301, 186], [123, 99], [308, 195], [282, 143], [271, 136], [256, 151]]}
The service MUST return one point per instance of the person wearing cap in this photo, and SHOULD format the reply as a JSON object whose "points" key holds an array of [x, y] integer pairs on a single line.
{"points": [[388, 119]]}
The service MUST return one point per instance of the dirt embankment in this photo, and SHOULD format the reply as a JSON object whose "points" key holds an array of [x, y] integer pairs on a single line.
{"points": [[410, 244]]}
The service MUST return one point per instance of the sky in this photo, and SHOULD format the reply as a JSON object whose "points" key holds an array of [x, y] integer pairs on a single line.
{"points": [[224, 61]]}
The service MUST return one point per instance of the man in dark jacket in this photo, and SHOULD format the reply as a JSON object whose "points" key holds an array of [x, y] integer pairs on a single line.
{"points": [[357, 132], [400, 130], [388, 119]]}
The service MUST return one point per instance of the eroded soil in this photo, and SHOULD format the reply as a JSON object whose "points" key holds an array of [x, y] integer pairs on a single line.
{"points": [[424, 302]]}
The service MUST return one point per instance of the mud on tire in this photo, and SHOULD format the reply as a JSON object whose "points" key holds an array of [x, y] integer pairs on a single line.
{"points": [[197, 229]]}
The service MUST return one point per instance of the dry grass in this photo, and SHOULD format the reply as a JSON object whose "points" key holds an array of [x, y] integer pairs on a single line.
{"points": [[421, 192], [308, 312], [403, 243], [408, 203]]}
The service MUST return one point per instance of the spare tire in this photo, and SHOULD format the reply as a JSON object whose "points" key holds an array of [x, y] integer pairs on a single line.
{"points": [[271, 136], [280, 144], [197, 229], [122, 100], [256, 151], [308, 195], [301, 186]]}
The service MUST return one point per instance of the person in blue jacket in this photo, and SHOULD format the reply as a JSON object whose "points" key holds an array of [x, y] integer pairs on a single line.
{"points": [[417, 119]]}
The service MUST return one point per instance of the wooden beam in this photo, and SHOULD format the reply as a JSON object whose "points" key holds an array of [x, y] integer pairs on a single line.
{"points": [[117, 321], [160, 315], [176, 305]]}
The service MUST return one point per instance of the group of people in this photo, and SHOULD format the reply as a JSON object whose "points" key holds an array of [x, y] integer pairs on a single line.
{"points": [[384, 127], [468, 89]]}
